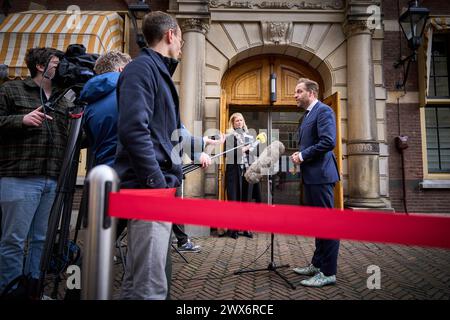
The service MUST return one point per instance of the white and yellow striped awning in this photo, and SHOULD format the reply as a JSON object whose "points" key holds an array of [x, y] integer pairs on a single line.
{"points": [[98, 31]]}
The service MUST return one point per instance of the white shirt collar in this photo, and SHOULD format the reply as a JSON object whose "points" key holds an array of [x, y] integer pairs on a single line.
{"points": [[312, 105]]}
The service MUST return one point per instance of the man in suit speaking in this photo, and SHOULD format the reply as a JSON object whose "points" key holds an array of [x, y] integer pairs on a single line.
{"points": [[318, 166]]}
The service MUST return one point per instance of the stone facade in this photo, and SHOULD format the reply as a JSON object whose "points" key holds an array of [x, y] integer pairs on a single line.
{"points": [[405, 116], [339, 39]]}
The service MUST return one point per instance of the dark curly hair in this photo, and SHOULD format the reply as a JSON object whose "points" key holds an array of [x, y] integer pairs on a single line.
{"points": [[39, 56]]}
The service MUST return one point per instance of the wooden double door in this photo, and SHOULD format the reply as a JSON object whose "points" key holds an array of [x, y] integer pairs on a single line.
{"points": [[262, 89]]}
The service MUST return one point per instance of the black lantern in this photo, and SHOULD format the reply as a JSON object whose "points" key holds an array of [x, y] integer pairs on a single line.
{"points": [[137, 11], [413, 22]]}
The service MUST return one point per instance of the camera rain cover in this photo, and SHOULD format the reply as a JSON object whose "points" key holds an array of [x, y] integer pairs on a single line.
{"points": [[76, 67]]}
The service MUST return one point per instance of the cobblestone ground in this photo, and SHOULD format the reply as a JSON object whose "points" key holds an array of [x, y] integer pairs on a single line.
{"points": [[406, 272]]}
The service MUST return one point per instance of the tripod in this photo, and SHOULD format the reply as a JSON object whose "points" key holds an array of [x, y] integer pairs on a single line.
{"points": [[56, 252], [272, 265], [178, 251]]}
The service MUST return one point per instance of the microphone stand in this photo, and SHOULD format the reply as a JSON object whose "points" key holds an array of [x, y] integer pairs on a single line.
{"points": [[272, 265]]}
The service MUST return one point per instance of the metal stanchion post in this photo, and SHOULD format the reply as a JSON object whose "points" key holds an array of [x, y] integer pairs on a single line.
{"points": [[97, 272]]}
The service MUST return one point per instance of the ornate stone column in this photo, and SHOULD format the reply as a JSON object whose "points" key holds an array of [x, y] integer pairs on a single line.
{"points": [[362, 147], [192, 91]]}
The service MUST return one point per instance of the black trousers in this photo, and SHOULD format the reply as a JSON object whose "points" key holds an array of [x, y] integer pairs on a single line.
{"points": [[179, 233]]}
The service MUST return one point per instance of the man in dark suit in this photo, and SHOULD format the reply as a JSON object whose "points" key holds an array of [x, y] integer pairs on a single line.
{"points": [[149, 132], [318, 166]]}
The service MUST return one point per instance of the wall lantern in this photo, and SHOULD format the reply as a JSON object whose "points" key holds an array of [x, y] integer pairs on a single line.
{"points": [[273, 87], [412, 22], [137, 11]]}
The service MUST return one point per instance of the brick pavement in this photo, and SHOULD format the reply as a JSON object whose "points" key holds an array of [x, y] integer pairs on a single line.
{"points": [[406, 272]]}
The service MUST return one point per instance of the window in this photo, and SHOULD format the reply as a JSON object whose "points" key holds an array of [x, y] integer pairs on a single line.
{"points": [[437, 124], [292, 140], [439, 66], [434, 99]]}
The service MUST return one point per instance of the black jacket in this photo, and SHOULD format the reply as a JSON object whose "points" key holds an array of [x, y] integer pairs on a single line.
{"points": [[238, 189], [149, 146]]}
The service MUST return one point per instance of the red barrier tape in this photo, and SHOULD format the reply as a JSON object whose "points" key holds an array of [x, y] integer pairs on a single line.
{"points": [[414, 229]]}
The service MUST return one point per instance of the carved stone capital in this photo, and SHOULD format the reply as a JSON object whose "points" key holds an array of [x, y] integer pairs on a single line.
{"points": [[354, 27], [194, 25], [278, 4], [363, 148], [362, 17], [277, 32]]}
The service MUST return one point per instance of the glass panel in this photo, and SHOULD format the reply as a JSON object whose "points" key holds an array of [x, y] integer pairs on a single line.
{"points": [[430, 117], [439, 47], [285, 185], [442, 87], [444, 138], [441, 66], [445, 159], [433, 160], [431, 91], [432, 141], [293, 138], [256, 123], [432, 68], [420, 25], [444, 117], [406, 26]]}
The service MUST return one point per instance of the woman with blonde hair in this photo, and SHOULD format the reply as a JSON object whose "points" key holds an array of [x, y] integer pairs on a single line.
{"points": [[237, 162]]}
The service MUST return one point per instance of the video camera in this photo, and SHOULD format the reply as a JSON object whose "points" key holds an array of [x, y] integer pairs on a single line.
{"points": [[75, 67]]}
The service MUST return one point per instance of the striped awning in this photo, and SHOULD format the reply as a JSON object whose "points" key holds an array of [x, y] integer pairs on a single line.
{"points": [[98, 31]]}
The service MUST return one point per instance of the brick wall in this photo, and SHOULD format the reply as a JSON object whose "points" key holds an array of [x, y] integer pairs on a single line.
{"points": [[418, 200], [404, 119]]}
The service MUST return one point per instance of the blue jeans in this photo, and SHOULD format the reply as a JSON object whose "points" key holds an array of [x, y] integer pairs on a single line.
{"points": [[25, 204]]}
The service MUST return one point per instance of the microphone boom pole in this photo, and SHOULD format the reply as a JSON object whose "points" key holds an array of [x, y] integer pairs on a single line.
{"points": [[260, 138]]}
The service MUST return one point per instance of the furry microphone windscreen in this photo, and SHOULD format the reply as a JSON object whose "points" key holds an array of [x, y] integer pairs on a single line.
{"points": [[268, 158]]}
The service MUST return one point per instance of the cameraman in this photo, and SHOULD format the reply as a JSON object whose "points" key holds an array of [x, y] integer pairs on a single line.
{"points": [[32, 144]]}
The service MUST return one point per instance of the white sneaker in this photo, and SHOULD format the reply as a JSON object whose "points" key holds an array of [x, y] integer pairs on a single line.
{"points": [[307, 271], [319, 280], [189, 246]]}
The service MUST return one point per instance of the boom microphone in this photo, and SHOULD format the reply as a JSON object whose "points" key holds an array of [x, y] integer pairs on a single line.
{"points": [[260, 138], [268, 158]]}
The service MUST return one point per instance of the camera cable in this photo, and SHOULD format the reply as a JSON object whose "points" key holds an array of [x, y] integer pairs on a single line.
{"points": [[44, 105]]}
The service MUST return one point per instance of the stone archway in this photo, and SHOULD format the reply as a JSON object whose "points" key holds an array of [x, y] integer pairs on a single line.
{"points": [[328, 43], [246, 88]]}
